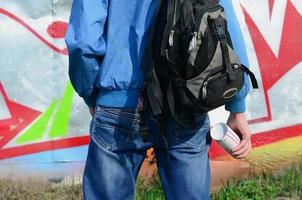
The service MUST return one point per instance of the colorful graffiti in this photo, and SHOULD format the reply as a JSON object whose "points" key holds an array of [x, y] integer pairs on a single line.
{"points": [[43, 121], [272, 31], [52, 122]]}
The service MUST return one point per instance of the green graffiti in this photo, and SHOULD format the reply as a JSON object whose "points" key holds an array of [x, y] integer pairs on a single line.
{"points": [[59, 124], [59, 127], [36, 131]]}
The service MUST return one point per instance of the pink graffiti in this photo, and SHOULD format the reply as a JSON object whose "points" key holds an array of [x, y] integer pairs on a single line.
{"points": [[53, 31]]}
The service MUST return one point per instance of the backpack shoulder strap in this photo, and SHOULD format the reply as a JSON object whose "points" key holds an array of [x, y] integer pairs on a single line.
{"points": [[222, 35], [153, 90]]}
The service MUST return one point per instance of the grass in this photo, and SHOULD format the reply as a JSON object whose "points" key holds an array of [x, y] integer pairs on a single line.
{"points": [[30, 190], [286, 184], [282, 185], [149, 190]]}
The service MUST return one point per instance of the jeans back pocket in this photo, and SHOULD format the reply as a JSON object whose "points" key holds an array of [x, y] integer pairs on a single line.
{"points": [[113, 128]]}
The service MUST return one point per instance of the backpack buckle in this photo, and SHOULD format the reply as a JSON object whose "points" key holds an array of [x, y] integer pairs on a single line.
{"points": [[165, 53], [178, 82], [218, 25], [220, 31]]}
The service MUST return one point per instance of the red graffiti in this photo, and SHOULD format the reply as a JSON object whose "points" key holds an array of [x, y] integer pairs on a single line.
{"points": [[22, 23], [22, 117], [271, 5], [57, 29], [273, 68]]}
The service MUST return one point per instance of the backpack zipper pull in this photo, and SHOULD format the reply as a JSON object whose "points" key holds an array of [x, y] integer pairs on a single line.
{"points": [[193, 42], [171, 38], [204, 90]]}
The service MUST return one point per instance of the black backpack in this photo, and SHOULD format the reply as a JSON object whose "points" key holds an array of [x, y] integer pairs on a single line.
{"points": [[195, 68]]}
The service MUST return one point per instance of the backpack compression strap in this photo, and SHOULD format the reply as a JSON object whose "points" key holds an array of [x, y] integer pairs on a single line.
{"points": [[170, 95], [252, 76], [224, 48], [153, 90]]}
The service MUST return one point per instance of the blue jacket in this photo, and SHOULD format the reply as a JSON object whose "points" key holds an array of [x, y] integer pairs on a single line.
{"points": [[105, 41]]}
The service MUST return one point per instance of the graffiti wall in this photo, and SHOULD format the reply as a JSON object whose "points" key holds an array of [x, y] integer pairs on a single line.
{"points": [[44, 124], [272, 32]]}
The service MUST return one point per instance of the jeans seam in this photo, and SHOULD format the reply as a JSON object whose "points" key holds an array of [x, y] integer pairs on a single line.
{"points": [[186, 143], [116, 127], [122, 115], [111, 113], [183, 142]]}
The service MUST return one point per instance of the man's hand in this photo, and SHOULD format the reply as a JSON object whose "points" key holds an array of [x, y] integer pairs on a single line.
{"points": [[92, 111], [238, 123]]}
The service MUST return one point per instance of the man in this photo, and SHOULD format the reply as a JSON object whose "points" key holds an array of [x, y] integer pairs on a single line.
{"points": [[106, 40]]}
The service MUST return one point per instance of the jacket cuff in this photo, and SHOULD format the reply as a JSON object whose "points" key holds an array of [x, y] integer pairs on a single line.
{"points": [[236, 105], [90, 101]]}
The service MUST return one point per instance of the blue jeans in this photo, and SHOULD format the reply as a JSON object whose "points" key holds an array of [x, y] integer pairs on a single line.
{"points": [[117, 151]]}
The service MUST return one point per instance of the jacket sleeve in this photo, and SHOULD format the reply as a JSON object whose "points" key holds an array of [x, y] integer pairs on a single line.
{"points": [[86, 46], [237, 104]]}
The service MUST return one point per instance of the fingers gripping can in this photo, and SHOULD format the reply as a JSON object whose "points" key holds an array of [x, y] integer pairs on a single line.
{"points": [[225, 136]]}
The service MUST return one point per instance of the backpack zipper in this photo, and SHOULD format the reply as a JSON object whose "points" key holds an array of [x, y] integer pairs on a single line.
{"points": [[213, 78], [167, 31], [206, 83], [193, 42], [204, 90], [207, 8], [171, 38]]}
